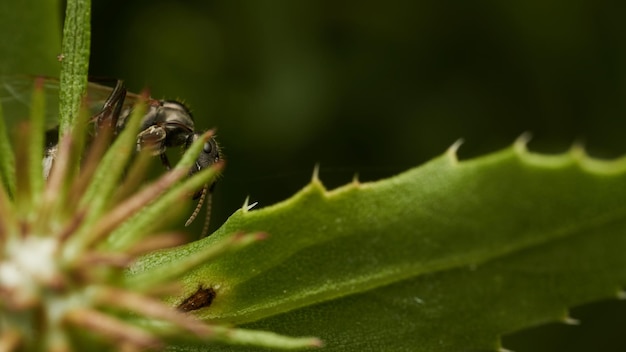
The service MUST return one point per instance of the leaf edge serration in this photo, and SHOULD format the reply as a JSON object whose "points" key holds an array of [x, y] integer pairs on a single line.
{"points": [[574, 159]]}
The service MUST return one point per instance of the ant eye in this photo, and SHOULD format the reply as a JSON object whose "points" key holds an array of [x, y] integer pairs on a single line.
{"points": [[208, 148]]}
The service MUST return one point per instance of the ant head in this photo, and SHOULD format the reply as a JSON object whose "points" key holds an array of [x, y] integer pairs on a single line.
{"points": [[209, 155]]}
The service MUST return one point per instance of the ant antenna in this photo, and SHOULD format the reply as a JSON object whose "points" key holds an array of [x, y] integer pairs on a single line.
{"points": [[205, 227], [194, 215], [206, 195]]}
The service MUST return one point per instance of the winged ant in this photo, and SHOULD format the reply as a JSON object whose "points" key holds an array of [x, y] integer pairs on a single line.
{"points": [[166, 124]]}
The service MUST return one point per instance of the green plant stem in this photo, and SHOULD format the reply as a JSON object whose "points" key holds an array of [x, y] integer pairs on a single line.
{"points": [[75, 60]]}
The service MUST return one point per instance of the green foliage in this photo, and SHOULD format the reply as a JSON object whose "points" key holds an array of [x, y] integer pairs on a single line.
{"points": [[31, 37], [75, 60], [32, 49], [7, 163], [370, 87], [445, 257]]}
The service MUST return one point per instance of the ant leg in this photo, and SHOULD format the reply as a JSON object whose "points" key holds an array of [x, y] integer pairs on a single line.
{"points": [[165, 161], [112, 108], [152, 138]]}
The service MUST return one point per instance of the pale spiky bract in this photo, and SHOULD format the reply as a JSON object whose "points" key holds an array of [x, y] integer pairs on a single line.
{"points": [[62, 283]]}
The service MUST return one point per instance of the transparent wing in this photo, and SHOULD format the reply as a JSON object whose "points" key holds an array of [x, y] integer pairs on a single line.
{"points": [[16, 92], [15, 97]]}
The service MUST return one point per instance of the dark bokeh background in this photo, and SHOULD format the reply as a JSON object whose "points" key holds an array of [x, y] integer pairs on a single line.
{"points": [[374, 88]]}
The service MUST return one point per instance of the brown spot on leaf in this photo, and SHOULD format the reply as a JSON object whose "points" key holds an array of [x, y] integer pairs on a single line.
{"points": [[202, 298]]}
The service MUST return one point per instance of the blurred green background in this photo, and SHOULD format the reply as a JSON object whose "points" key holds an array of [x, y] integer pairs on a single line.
{"points": [[375, 88]]}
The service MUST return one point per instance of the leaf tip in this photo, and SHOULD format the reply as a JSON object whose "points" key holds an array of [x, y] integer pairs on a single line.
{"points": [[144, 94], [316, 342], [316, 183], [521, 143], [246, 207], [452, 151], [577, 150], [39, 84], [588, 163], [621, 295], [355, 180], [567, 320], [315, 178], [245, 238], [260, 236]]}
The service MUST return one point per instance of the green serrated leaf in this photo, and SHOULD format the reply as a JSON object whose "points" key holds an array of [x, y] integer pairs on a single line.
{"points": [[444, 257]]}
